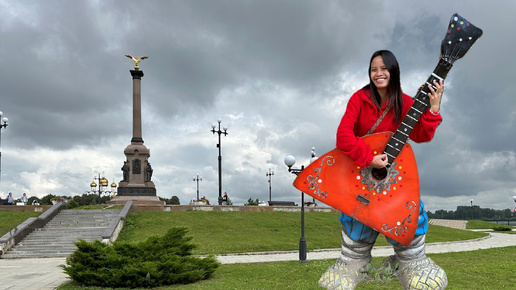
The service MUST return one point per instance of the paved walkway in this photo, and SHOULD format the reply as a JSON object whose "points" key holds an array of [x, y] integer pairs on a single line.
{"points": [[495, 240], [46, 273]]}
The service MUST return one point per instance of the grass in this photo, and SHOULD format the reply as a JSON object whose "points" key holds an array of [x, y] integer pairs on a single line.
{"points": [[230, 232], [10, 219], [239, 232], [483, 269], [482, 225]]}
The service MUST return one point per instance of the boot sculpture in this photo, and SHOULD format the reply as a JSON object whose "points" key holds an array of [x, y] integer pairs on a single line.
{"points": [[414, 269], [351, 267], [411, 266]]}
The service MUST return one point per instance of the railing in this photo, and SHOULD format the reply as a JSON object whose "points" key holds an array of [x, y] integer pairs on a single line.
{"points": [[117, 223]]}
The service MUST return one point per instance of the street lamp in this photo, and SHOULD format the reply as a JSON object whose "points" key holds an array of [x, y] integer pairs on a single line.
{"points": [[269, 174], [198, 178], [312, 160], [3, 124], [290, 161], [213, 126], [103, 183]]}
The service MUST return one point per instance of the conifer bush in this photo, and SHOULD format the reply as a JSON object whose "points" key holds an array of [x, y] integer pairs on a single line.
{"points": [[158, 261]]}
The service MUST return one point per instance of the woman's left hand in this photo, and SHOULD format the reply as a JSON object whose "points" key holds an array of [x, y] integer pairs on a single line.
{"points": [[435, 96]]}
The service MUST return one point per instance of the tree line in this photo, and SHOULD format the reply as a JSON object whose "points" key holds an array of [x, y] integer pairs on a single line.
{"points": [[85, 199], [474, 212]]}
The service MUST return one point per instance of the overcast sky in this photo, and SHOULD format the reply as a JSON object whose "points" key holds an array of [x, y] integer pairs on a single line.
{"points": [[278, 74]]}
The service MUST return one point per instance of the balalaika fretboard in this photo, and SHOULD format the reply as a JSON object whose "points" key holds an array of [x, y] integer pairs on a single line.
{"points": [[421, 103]]}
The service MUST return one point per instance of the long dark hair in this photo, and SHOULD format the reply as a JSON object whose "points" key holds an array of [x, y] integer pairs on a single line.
{"points": [[395, 100]]}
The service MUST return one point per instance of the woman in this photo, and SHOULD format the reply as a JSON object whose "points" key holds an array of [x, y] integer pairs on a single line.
{"points": [[24, 198], [380, 106]]}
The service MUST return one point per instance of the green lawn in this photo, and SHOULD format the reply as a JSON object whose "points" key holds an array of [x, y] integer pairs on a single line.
{"points": [[482, 225], [237, 232], [10, 219], [483, 269], [231, 232]]}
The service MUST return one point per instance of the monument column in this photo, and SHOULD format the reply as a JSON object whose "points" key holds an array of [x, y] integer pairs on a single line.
{"points": [[137, 171], [137, 105]]}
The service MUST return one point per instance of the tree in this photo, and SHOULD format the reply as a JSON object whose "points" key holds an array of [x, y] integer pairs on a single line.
{"points": [[474, 212], [250, 201], [46, 199], [173, 200]]}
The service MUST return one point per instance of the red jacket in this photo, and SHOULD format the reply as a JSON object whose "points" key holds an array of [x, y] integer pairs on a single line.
{"points": [[360, 116]]}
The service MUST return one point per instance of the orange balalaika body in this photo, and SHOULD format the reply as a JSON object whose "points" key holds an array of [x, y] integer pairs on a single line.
{"points": [[386, 199], [390, 205]]}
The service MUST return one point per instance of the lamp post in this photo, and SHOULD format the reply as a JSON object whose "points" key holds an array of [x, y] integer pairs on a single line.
{"points": [[103, 183], [3, 124], [269, 174], [213, 126], [197, 178], [290, 161], [312, 154]]}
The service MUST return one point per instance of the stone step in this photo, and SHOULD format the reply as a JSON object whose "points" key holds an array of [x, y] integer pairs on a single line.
{"points": [[88, 211], [70, 228], [51, 244], [57, 254], [42, 251], [33, 240], [64, 233], [34, 256], [60, 240]]}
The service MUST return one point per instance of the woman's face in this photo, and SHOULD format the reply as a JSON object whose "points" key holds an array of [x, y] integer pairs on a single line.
{"points": [[379, 73]]}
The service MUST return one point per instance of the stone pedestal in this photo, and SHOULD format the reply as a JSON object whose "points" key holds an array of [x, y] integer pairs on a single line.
{"points": [[138, 173]]}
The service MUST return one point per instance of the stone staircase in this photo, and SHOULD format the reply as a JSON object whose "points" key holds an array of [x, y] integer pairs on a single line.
{"points": [[57, 238]]}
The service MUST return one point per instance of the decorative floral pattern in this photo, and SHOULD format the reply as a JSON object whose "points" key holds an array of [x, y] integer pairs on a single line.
{"points": [[401, 228], [313, 181], [379, 185]]}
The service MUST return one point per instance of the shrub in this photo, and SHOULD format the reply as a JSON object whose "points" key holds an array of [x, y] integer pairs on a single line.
{"points": [[502, 229], [72, 204], [158, 261], [250, 201]]}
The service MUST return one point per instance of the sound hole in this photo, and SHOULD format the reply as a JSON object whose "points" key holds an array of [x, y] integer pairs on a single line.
{"points": [[379, 174]]}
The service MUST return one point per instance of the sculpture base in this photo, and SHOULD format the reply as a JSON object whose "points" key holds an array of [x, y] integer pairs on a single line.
{"points": [[136, 191], [137, 200]]}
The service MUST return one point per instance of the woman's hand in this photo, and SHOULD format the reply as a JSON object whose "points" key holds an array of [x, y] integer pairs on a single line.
{"points": [[435, 96], [379, 161]]}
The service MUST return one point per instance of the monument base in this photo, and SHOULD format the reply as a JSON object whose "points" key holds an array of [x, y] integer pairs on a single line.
{"points": [[137, 200], [136, 191]]}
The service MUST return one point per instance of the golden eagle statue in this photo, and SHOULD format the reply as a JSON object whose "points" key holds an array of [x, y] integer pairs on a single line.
{"points": [[136, 60]]}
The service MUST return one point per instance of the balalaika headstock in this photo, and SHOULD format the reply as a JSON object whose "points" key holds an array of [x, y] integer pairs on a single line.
{"points": [[460, 37]]}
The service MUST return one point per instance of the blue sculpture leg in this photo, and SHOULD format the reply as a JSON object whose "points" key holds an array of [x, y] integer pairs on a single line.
{"points": [[359, 232]]}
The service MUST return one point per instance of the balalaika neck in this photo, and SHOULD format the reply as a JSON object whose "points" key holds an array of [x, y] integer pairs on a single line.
{"points": [[421, 104]]}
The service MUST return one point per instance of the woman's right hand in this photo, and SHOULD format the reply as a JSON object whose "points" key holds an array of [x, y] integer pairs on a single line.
{"points": [[379, 161]]}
